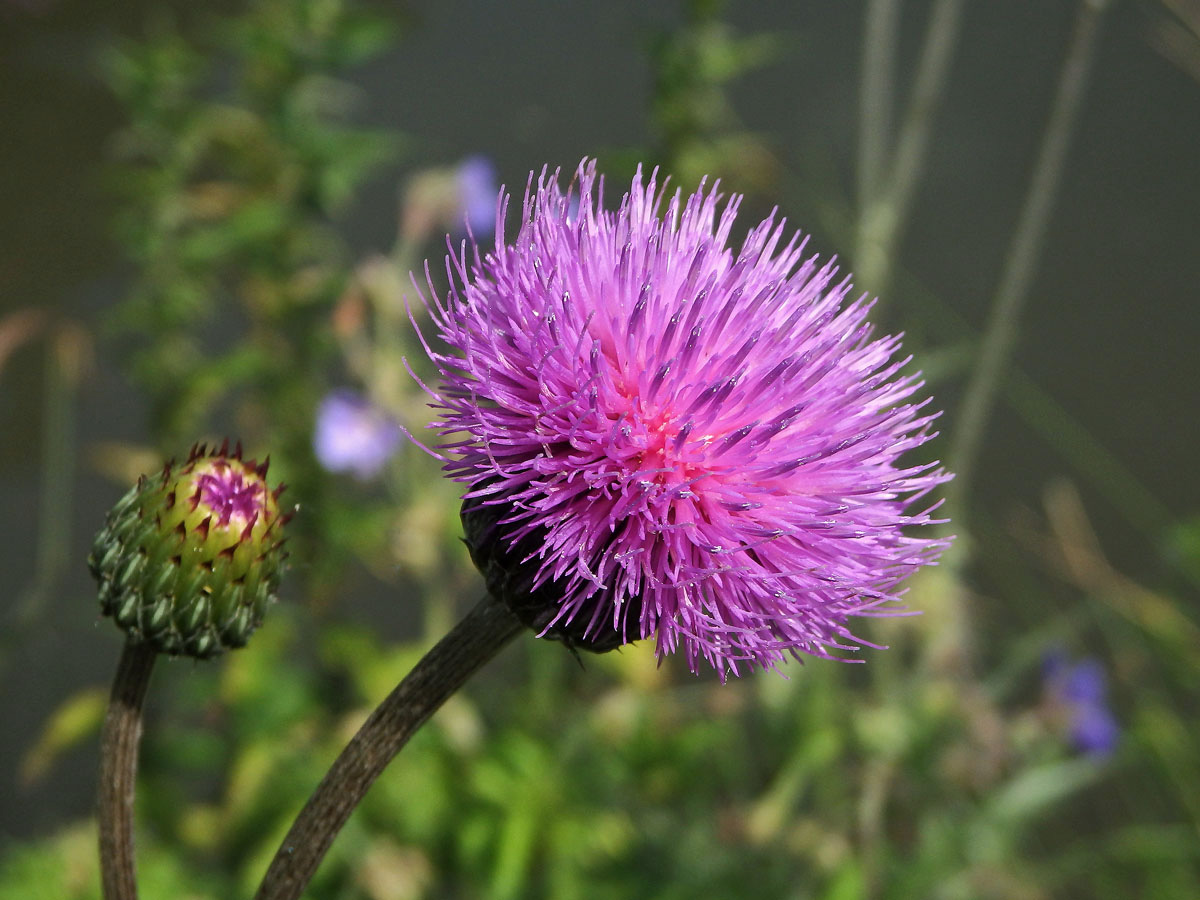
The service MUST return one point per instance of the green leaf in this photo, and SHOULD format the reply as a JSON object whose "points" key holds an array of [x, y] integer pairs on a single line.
{"points": [[1033, 792], [76, 719]]}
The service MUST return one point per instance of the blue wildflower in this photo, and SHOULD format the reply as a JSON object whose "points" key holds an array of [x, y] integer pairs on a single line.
{"points": [[1080, 689], [475, 178], [353, 435]]}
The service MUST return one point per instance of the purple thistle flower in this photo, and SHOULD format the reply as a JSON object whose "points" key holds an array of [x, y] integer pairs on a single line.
{"points": [[662, 436], [353, 435]]}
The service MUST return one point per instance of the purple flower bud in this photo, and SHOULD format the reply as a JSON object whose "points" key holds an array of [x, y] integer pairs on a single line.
{"points": [[189, 561], [660, 435], [352, 435]]}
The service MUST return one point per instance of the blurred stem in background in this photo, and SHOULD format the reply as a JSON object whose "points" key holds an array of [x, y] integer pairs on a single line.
{"points": [[881, 33], [885, 202], [1021, 262], [67, 360], [889, 170], [888, 176], [1095, 464], [951, 641]]}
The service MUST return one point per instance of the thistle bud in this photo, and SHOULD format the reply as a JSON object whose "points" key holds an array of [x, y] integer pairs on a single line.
{"points": [[189, 560]]}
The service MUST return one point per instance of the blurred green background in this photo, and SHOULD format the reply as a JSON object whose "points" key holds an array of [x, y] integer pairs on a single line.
{"points": [[207, 216]]}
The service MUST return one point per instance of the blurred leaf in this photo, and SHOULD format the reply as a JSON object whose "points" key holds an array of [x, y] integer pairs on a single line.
{"points": [[772, 812], [1154, 845], [65, 867], [698, 132], [1034, 791], [847, 884], [1183, 546], [1175, 747], [18, 328], [76, 719]]}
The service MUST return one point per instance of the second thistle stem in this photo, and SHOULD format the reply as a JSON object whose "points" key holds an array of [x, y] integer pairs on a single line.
{"points": [[118, 770], [1023, 254], [892, 179], [443, 670]]}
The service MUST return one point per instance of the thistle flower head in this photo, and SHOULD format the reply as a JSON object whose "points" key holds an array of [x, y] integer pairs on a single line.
{"points": [[189, 560], [660, 435]]}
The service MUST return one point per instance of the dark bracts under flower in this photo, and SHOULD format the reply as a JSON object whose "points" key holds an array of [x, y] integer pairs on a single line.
{"points": [[535, 602], [676, 439]]}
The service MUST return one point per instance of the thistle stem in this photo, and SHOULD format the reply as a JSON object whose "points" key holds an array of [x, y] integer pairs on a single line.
{"points": [[443, 670], [118, 769]]}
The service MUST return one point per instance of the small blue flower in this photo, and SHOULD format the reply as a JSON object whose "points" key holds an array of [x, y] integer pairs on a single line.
{"points": [[1094, 730], [477, 192], [1081, 690], [353, 435]]}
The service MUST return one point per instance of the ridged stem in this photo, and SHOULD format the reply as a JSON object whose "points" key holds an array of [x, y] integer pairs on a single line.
{"points": [[118, 770], [443, 670]]}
